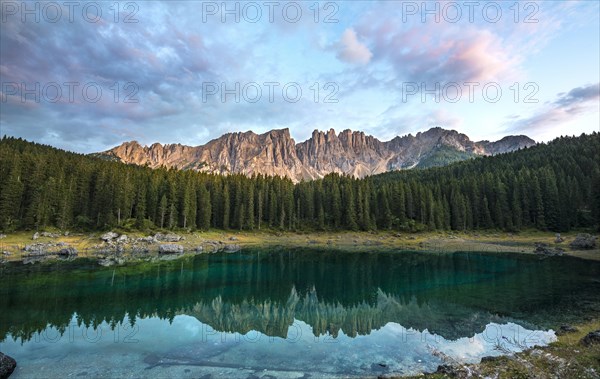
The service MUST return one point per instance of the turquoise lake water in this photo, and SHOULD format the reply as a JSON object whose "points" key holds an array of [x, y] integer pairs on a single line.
{"points": [[286, 313]]}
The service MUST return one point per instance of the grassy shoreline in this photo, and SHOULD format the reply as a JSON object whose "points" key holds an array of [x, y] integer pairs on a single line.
{"points": [[486, 241]]}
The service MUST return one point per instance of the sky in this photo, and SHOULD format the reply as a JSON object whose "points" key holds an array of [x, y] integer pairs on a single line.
{"points": [[87, 76]]}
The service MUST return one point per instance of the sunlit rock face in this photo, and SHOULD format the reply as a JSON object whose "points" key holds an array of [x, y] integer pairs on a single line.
{"points": [[348, 152]]}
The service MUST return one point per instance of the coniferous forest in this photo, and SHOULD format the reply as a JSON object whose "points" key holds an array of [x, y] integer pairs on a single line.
{"points": [[552, 186]]}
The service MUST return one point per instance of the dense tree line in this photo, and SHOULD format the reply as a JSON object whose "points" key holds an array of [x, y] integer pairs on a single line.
{"points": [[549, 187]]}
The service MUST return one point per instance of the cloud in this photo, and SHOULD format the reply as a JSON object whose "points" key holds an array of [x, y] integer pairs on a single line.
{"points": [[566, 108], [351, 50], [441, 54], [169, 54], [578, 96]]}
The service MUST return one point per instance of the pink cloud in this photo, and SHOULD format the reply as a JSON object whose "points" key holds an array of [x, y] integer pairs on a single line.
{"points": [[351, 50], [469, 56]]}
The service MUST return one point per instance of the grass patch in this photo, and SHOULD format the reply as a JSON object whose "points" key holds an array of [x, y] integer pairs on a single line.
{"points": [[437, 241]]}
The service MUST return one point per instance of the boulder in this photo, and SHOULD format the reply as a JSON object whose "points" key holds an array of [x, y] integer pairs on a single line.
{"points": [[583, 241], [122, 239], [149, 239], [558, 238], [106, 237], [36, 249], [167, 237], [7, 366], [35, 236], [2, 236], [592, 338], [233, 238], [170, 249], [199, 249]]}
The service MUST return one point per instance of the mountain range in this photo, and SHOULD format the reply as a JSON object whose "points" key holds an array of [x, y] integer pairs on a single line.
{"points": [[349, 152]]}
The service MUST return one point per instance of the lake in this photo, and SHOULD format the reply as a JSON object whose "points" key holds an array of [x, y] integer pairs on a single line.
{"points": [[286, 313]]}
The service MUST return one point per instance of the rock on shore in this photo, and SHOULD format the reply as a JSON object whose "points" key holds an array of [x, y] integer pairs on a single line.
{"points": [[584, 241], [7, 366]]}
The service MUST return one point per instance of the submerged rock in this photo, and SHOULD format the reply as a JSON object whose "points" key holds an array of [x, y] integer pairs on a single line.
{"points": [[583, 241], [170, 249], [67, 252], [231, 248], [140, 250], [170, 257], [543, 249], [110, 261], [34, 259], [592, 338], [7, 366]]}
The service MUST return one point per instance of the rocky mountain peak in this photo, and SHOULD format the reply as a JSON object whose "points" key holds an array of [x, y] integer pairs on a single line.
{"points": [[350, 152]]}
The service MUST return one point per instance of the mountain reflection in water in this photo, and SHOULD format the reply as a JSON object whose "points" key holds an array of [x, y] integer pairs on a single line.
{"points": [[451, 295]]}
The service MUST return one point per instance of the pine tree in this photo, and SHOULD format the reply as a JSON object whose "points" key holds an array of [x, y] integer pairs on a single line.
{"points": [[226, 210], [162, 209], [538, 210], [249, 206], [10, 197], [204, 208], [140, 206]]}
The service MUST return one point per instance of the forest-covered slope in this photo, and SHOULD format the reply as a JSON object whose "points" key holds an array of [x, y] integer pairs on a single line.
{"points": [[550, 186]]}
